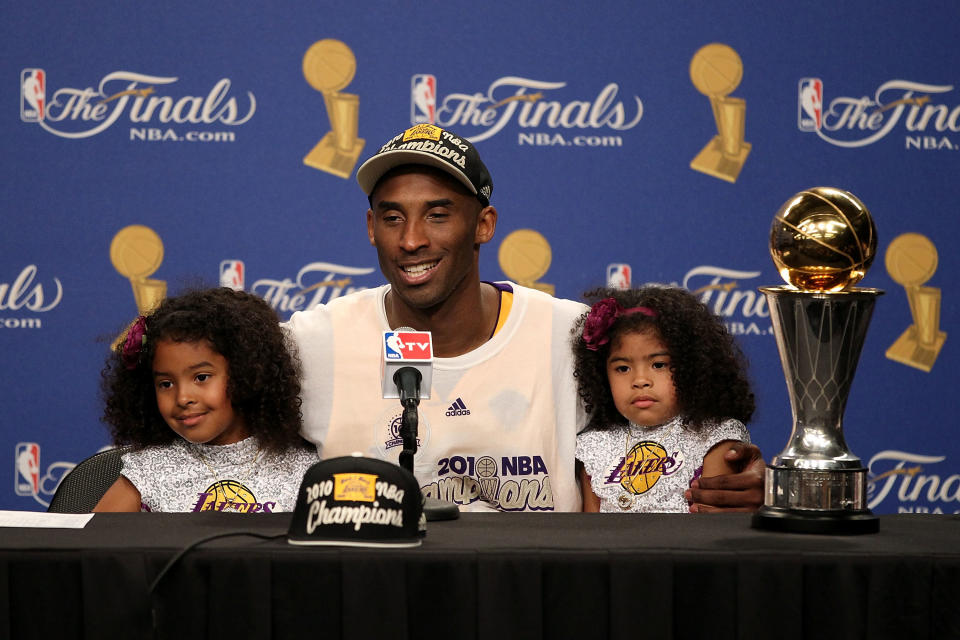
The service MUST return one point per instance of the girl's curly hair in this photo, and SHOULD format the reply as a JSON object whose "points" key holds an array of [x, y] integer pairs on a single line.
{"points": [[263, 369], [709, 370]]}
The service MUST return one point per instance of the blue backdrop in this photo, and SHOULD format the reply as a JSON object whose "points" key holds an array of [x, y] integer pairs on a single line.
{"points": [[193, 120]]}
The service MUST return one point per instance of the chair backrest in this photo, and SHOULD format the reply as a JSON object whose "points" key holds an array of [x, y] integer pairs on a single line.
{"points": [[81, 489]]}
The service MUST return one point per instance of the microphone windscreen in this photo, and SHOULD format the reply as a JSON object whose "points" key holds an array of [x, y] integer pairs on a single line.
{"points": [[405, 347]]}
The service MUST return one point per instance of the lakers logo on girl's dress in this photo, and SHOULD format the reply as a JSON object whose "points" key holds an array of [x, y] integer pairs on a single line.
{"points": [[230, 492], [643, 466]]}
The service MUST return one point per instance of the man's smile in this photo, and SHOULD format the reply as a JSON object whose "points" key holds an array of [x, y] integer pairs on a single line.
{"points": [[420, 271]]}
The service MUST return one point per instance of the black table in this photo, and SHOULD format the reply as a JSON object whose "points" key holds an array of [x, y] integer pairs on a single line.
{"points": [[484, 576]]}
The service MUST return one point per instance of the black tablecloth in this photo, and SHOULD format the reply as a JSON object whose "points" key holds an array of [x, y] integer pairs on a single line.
{"points": [[484, 576]]}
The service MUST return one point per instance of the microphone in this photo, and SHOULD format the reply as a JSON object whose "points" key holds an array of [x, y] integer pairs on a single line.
{"points": [[407, 368], [407, 364], [408, 382]]}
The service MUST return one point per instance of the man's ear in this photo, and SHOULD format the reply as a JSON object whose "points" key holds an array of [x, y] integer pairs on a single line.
{"points": [[486, 225], [370, 226]]}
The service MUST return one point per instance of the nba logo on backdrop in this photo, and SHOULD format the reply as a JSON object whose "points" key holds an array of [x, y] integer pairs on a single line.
{"points": [[810, 104], [423, 99], [618, 276], [26, 462], [33, 94], [231, 274]]}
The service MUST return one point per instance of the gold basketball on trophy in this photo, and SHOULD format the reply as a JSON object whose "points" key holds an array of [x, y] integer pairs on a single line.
{"points": [[823, 239], [329, 65], [525, 256], [136, 251], [716, 69]]}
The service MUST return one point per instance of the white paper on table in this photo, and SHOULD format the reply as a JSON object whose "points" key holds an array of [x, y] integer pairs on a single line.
{"points": [[42, 520]]}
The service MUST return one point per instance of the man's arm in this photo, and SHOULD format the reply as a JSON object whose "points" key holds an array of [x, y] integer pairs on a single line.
{"points": [[741, 491]]}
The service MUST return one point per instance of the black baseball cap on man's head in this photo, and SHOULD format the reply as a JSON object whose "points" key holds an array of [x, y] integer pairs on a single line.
{"points": [[432, 146]]}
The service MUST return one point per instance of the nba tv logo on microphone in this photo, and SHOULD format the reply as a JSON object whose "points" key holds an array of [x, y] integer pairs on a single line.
{"points": [[407, 346]]}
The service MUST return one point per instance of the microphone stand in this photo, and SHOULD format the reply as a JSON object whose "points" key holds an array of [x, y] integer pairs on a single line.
{"points": [[409, 424], [407, 380]]}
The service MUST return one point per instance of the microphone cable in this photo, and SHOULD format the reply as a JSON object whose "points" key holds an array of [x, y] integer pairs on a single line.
{"points": [[151, 591], [196, 543]]}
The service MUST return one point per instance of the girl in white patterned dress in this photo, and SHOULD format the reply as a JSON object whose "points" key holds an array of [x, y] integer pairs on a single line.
{"points": [[665, 385], [206, 390]]}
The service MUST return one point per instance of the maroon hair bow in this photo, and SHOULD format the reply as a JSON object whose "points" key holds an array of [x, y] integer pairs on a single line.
{"points": [[133, 345], [601, 317]]}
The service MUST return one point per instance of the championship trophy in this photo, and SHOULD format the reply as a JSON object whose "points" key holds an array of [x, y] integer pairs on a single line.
{"points": [[137, 252], [525, 256], [912, 260], [715, 71], [822, 242], [328, 66]]}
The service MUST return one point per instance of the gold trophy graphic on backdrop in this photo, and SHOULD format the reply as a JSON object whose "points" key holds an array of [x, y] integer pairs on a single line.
{"points": [[328, 66], [822, 241], [524, 257], [136, 252], [715, 71], [912, 260]]}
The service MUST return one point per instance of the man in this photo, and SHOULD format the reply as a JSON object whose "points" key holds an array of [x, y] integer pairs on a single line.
{"points": [[499, 428]]}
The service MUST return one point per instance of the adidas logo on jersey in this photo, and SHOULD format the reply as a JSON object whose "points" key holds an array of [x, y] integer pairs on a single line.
{"points": [[458, 409]]}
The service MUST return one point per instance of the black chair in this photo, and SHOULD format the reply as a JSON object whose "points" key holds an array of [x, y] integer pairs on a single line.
{"points": [[81, 489]]}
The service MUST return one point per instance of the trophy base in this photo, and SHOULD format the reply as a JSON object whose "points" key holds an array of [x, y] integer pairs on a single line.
{"points": [[712, 162], [909, 351], [814, 521], [325, 156]]}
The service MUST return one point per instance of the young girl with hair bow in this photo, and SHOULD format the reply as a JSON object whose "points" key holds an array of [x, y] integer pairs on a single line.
{"points": [[665, 385], [206, 390]]}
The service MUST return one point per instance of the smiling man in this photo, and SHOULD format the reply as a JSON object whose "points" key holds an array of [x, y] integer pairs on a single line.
{"points": [[499, 427], [428, 229], [498, 431]]}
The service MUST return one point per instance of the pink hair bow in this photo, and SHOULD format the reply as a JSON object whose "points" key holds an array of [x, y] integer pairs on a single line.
{"points": [[602, 316], [136, 335]]}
